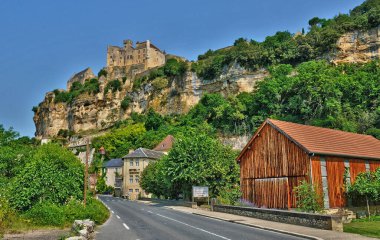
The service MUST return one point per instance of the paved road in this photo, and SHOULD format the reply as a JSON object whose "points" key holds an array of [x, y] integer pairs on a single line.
{"points": [[138, 221]]}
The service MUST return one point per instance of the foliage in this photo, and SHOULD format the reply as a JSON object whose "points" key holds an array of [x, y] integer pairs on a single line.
{"points": [[287, 48], [51, 214], [125, 103], [160, 83], [90, 86], [114, 85], [7, 214], [174, 68], [195, 160], [367, 185], [153, 120], [118, 142], [46, 213], [102, 72], [35, 109], [307, 197], [52, 174], [102, 188]]}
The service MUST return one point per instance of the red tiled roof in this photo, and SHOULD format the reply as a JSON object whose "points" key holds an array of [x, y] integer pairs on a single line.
{"points": [[165, 145], [325, 141]]}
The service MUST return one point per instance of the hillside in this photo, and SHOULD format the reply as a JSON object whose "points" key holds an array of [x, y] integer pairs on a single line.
{"points": [[93, 103]]}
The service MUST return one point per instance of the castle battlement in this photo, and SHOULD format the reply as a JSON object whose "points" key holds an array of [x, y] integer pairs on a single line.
{"points": [[145, 55]]}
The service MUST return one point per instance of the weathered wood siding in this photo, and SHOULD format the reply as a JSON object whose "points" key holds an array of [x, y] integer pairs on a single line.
{"points": [[335, 177], [317, 174], [356, 166], [275, 165], [373, 165]]}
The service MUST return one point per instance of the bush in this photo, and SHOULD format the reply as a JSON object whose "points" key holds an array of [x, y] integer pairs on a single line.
{"points": [[125, 103], [160, 83], [102, 72], [114, 85], [308, 200], [53, 174], [46, 213]]}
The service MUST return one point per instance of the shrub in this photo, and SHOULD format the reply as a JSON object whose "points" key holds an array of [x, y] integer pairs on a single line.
{"points": [[160, 83], [46, 213], [308, 199], [125, 103], [114, 85], [35, 109], [53, 174], [102, 72]]}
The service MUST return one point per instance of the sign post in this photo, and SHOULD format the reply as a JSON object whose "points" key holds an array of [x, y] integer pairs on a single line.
{"points": [[200, 192]]}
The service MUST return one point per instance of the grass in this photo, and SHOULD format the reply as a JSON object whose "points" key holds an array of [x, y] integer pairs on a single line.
{"points": [[365, 227]]}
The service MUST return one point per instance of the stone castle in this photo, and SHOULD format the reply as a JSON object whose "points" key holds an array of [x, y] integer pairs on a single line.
{"points": [[142, 57]]}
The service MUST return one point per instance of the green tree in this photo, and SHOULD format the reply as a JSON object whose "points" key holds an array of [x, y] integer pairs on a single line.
{"points": [[367, 185], [52, 174]]}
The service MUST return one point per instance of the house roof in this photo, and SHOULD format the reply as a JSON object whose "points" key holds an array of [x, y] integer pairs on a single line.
{"points": [[325, 141], [144, 153], [117, 162], [165, 145]]}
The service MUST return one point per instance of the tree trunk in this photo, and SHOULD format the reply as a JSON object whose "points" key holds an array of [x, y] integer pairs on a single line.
{"points": [[369, 213]]}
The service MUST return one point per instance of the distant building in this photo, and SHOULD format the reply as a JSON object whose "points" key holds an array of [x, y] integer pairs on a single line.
{"points": [[134, 163], [281, 154], [165, 145], [141, 57], [113, 170]]}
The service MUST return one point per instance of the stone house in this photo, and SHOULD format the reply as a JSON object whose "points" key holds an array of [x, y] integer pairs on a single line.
{"points": [[281, 154], [134, 163], [113, 170]]}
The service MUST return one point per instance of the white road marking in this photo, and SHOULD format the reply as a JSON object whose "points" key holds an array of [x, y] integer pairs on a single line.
{"points": [[118, 216], [150, 212], [125, 225], [112, 211], [200, 229]]}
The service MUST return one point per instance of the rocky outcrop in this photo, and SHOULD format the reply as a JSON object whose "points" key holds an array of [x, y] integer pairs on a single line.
{"points": [[100, 111], [358, 46]]}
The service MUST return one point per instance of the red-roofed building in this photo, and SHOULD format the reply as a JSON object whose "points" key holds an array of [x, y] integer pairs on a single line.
{"points": [[165, 145], [281, 154]]}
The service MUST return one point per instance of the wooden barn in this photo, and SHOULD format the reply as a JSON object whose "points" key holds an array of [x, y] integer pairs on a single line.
{"points": [[281, 154]]}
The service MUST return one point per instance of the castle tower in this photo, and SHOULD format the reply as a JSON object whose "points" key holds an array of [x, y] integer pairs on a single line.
{"points": [[128, 44]]}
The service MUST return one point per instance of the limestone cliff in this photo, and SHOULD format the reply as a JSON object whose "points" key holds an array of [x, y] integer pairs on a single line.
{"points": [[99, 111], [94, 112]]}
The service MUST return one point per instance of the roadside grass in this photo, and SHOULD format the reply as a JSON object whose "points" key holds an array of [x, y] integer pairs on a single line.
{"points": [[365, 227], [44, 216]]}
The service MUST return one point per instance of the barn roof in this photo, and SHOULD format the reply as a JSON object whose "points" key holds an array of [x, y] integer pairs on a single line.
{"points": [[325, 141], [165, 145]]}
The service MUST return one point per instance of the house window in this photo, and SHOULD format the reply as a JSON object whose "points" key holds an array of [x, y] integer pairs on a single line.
{"points": [[137, 163], [137, 190], [131, 179], [131, 163], [131, 190], [137, 178]]}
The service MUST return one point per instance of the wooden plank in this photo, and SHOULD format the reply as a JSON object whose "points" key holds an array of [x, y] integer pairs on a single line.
{"points": [[317, 174], [356, 166], [271, 193], [373, 165], [335, 174]]}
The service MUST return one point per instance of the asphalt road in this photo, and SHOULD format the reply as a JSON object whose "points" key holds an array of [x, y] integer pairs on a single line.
{"points": [[139, 221]]}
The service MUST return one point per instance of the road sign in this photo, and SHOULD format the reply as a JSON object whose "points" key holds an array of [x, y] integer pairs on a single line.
{"points": [[200, 191]]}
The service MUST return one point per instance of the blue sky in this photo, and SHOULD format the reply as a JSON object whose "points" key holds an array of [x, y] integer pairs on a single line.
{"points": [[44, 42]]}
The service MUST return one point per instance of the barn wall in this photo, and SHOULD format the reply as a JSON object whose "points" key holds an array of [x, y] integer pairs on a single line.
{"points": [[271, 168], [373, 165]]}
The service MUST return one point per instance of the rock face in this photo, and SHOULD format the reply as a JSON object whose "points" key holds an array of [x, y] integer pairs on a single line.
{"points": [[358, 46], [100, 111]]}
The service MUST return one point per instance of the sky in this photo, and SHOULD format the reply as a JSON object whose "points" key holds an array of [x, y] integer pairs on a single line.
{"points": [[43, 42]]}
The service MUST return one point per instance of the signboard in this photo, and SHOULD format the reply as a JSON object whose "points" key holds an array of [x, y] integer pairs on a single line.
{"points": [[199, 192]]}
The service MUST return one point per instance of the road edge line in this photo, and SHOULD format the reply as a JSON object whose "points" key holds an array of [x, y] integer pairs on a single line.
{"points": [[262, 227]]}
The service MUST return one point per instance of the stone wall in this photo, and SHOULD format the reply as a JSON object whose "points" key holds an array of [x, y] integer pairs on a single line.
{"points": [[320, 221]]}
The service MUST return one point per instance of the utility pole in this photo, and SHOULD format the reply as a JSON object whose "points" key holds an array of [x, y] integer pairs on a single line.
{"points": [[86, 172]]}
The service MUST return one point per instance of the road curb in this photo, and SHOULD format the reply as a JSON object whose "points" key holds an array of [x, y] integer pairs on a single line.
{"points": [[262, 227]]}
